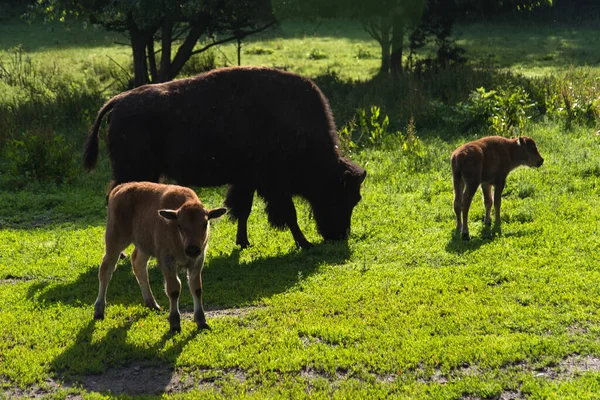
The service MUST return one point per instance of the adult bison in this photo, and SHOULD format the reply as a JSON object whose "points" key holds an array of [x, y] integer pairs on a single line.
{"points": [[257, 129]]}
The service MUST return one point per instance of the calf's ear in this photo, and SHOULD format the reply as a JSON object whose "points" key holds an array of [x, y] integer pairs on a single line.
{"points": [[216, 212], [168, 214]]}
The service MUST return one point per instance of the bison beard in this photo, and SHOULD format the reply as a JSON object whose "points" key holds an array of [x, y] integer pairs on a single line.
{"points": [[257, 129]]}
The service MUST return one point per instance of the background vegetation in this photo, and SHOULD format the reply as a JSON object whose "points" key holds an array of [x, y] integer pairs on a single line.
{"points": [[403, 309]]}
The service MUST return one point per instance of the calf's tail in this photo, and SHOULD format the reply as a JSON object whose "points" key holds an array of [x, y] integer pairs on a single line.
{"points": [[457, 175], [90, 153]]}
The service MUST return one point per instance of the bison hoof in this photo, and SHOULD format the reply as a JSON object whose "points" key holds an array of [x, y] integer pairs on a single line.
{"points": [[305, 245], [243, 243], [98, 316], [487, 223], [203, 326], [153, 306], [465, 236], [175, 329]]}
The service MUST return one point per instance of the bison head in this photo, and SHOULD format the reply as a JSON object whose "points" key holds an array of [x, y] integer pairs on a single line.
{"points": [[192, 223], [528, 152], [333, 205]]}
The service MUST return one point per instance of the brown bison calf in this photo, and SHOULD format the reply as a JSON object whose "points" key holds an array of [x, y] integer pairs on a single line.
{"points": [[163, 221], [487, 162]]}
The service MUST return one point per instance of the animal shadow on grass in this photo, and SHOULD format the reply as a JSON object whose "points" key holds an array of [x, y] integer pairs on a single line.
{"points": [[457, 245], [150, 373], [226, 282], [116, 365], [488, 234]]}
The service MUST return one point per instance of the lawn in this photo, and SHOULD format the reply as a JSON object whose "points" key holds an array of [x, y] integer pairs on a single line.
{"points": [[403, 309]]}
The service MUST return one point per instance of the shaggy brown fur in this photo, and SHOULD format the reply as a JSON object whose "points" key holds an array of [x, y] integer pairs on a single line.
{"points": [[163, 221], [257, 129], [487, 162]]}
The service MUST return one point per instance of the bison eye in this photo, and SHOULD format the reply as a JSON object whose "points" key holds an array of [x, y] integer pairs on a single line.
{"points": [[205, 225]]}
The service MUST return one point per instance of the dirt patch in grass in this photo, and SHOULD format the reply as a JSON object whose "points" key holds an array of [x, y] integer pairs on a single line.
{"points": [[228, 312], [33, 392], [12, 279], [137, 379]]}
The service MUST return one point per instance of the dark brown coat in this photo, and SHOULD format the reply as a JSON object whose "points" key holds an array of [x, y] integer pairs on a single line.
{"points": [[167, 222], [257, 129], [487, 162]]}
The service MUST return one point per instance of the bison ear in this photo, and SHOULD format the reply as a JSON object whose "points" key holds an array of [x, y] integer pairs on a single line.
{"points": [[216, 212], [168, 214]]}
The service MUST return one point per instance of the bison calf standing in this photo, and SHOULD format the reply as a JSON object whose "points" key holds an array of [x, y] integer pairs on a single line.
{"points": [[487, 162], [163, 221]]}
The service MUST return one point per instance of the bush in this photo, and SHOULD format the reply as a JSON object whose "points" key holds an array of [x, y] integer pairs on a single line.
{"points": [[39, 155], [199, 63], [505, 111], [317, 54]]}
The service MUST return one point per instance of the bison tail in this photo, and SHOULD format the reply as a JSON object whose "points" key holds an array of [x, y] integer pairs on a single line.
{"points": [[90, 153]]}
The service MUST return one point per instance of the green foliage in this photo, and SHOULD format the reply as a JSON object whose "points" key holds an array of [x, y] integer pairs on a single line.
{"points": [[198, 63], [505, 111], [40, 155], [317, 54], [363, 53]]}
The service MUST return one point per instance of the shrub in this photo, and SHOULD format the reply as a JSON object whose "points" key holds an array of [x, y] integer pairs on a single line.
{"points": [[317, 54], [39, 155], [199, 63], [505, 111], [363, 52], [259, 50]]}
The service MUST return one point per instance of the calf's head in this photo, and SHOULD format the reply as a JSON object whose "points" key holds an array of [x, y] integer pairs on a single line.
{"points": [[528, 153], [192, 223], [333, 206]]}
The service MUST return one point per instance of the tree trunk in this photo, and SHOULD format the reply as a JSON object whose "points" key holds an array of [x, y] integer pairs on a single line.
{"points": [[397, 46], [185, 50], [239, 50], [140, 70], [385, 44], [165, 59], [152, 60]]}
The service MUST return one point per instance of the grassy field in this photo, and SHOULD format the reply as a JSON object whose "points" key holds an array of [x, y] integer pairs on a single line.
{"points": [[403, 309]]}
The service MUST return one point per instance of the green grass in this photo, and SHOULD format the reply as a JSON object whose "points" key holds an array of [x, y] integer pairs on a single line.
{"points": [[403, 309]]}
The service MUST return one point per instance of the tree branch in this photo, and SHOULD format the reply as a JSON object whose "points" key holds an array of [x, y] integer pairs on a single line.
{"points": [[231, 38]]}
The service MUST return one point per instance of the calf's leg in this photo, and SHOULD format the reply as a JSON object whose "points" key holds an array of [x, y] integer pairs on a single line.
{"points": [[139, 263], [239, 201], [498, 188], [459, 188], [486, 188], [173, 288], [470, 190], [194, 275], [114, 247]]}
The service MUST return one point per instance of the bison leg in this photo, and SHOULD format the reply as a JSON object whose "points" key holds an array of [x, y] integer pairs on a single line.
{"points": [[486, 188], [239, 201], [282, 213], [173, 287], [466, 204], [194, 275], [108, 266], [459, 188], [498, 188], [139, 264]]}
